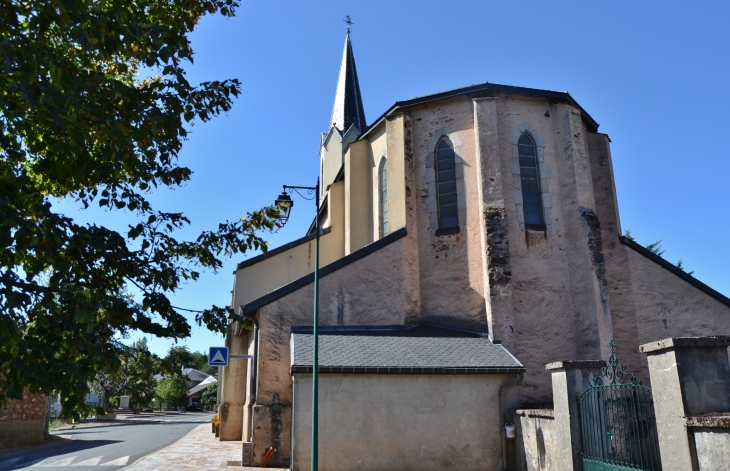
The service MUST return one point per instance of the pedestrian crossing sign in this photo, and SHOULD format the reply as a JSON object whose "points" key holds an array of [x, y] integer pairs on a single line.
{"points": [[218, 356]]}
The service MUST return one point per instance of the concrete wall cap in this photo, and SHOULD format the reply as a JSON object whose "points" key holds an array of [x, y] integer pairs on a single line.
{"points": [[674, 342], [710, 420], [575, 364], [541, 413]]}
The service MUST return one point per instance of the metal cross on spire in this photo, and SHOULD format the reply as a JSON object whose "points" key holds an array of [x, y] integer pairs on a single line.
{"points": [[349, 22]]}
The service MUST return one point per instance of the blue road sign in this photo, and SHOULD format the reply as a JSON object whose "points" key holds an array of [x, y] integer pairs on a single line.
{"points": [[218, 356]]}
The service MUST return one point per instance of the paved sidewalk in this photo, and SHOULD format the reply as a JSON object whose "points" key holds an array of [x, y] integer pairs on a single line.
{"points": [[198, 450]]}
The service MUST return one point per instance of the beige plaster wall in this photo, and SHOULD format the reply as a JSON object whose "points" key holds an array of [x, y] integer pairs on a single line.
{"points": [[371, 291], [23, 422], [358, 187], [331, 159], [401, 422], [396, 136], [234, 383], [450, 266], [259, 279], [377, 149]]}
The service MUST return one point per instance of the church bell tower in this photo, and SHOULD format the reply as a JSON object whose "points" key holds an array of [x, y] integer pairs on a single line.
{"points": [[347, 120]]}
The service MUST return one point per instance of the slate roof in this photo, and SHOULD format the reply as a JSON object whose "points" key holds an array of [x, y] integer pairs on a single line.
{"points": [[403, 351], [347, 109], [485, 90]]}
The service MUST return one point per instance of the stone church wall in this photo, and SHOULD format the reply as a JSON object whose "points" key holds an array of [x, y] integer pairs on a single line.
{"points": [[451, 272], [667, 306], [23, 422]]}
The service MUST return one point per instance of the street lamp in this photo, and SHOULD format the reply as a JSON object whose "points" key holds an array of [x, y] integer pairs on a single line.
{"points": [[285, 204]]}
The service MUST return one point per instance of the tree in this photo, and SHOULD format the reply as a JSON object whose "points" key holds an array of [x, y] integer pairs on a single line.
{"points": [[680, 265], [94, 108], [209, 399], [656, 249], [174, 388], [139, 371], [177, 357], [108, 385]]}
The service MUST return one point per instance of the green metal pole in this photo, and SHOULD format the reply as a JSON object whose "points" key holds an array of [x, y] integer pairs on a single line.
{"points": [[315, 359]]}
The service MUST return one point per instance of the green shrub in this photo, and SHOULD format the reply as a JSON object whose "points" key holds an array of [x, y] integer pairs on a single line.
{"points": [[209, 400]]}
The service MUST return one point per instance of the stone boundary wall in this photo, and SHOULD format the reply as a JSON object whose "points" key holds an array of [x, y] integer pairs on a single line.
{"points": [[536, 429], [711, 440], [23, 422]]}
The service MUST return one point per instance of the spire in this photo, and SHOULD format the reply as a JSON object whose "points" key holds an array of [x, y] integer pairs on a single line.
{"points": [[348, 109]]}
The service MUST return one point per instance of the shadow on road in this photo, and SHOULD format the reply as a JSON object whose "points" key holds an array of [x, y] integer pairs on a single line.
{"points": [[34, 457]]}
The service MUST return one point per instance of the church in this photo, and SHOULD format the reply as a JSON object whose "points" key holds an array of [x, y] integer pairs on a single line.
{"points": [[468, 238]]}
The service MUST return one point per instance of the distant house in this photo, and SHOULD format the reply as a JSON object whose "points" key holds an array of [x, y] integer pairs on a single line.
{"points": [[196, 392], [199, 382], [91, 399]]}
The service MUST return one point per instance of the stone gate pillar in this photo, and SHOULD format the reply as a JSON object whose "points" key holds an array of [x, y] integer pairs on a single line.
{"points": [[690, 376], [570, 379]]}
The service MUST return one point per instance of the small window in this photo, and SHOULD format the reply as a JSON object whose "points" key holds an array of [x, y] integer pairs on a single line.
{"points": [[446, 181], [530, 178], [383, 196]]}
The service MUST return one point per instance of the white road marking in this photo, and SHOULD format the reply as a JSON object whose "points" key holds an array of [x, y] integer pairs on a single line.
{"points": [[45, 464], [9, 463], [90, 462], [118, 462]]}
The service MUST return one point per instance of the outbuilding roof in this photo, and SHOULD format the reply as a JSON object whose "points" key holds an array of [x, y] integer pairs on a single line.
{"points": [[422, 349]]}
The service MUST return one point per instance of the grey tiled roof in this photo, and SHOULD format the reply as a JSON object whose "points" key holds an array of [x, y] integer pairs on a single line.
{"points": [[364, 353]]}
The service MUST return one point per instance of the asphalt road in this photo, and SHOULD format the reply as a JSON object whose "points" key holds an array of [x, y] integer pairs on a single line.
{"points": [[106, 448]]}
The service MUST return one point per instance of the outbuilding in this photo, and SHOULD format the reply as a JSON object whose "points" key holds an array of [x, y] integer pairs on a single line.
{"points": [[392, 398]]}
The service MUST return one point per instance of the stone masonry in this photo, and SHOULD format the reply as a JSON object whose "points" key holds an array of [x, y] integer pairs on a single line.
{"points": [[23, 422]]}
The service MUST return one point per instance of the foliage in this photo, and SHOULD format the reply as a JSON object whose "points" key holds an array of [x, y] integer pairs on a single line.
{"points": [[656, 248], [94, 108], [209, 399], [200, 363], [173, 388], [107, 385], [177, 357], [139, 370], [180, 356], [680, 265]]}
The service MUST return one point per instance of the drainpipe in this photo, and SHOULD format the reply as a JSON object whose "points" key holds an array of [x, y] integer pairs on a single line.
{"points": [[510, 384], [254, 363]]}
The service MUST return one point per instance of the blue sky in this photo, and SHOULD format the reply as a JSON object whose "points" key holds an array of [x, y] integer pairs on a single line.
{"points": [[654, 75]]}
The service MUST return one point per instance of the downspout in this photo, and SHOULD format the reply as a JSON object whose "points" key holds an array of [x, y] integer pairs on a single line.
{"points": [[510, 384], [254, 364]]}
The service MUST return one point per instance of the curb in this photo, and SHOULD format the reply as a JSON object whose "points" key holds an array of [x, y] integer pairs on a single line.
{"points": [[141, 422]]}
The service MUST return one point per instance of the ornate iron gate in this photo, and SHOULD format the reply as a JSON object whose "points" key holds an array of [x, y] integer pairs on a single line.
{"points": [[618, 427]]}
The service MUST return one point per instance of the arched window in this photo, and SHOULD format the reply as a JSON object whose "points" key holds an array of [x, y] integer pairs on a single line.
{"points": [[446, 181], [530, 177], [383, 196]]}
